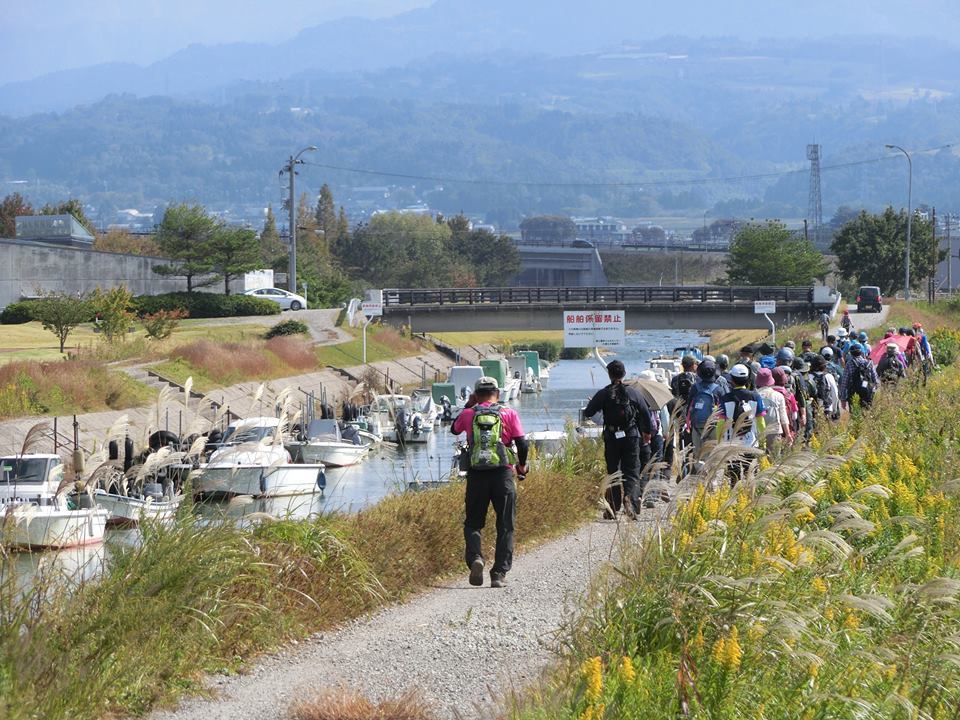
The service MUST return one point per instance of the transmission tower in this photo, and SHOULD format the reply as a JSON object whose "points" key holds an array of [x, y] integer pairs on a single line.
{"points": [[815, 203]]}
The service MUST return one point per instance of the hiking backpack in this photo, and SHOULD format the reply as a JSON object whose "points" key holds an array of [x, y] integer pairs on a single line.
{"points": [[701, 406], [742, 407], [619, 413], [684, 384], [487, 450], [858, 377], [823, 389]]}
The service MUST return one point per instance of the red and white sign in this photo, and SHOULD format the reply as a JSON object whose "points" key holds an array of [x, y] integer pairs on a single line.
{"points": [[594, 328], [372, 305]]}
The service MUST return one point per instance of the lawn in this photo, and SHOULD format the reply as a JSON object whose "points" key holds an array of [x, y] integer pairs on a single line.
{"points": [[498, 337], [383, 343]]}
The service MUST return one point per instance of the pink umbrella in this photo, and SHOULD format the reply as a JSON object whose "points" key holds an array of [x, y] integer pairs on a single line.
{"points": [[880, 349]]}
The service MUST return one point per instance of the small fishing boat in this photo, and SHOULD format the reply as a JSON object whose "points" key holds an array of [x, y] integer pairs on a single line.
{"points": [[323, 442], [547, 442], [36, 513], [131, 510], [252, 461]]}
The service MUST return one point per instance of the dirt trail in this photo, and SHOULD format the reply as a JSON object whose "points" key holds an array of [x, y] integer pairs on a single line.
{"points": [[464, 647]]}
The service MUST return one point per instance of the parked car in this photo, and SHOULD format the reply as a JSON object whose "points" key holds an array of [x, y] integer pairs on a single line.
{"points": [[284, 298], [868, 298]]}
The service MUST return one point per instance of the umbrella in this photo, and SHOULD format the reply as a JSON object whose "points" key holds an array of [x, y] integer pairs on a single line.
{"points": [[655, 393], [880, 348]]}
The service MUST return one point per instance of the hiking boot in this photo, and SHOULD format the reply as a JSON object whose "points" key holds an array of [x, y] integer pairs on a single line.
{"points": [[649, 501], [476, 572], [497, 580]]}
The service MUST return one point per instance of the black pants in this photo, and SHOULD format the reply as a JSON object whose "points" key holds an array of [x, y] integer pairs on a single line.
{"points": [[483, 488], [628, 456]]}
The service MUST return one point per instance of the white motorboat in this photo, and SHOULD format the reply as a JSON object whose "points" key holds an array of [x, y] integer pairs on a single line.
{"points": [[324, 443], [423, 403], [130, 511], [35, 515], [464, 378], [547, 442], [251, 461], [544, 377]]}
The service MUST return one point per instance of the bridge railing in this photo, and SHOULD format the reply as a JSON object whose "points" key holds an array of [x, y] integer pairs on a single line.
{"points": [[594, 295]]}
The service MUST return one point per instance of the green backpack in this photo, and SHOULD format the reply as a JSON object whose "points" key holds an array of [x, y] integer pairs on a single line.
{"points": [[487, 451]]}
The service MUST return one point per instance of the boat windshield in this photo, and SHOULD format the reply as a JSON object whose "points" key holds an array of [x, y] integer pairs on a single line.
{"points": [[255, 434], [23, 470]]}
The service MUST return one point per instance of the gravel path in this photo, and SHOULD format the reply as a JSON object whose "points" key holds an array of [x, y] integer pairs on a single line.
{"points": [[321, 323], [461, 646], [866, 321]]}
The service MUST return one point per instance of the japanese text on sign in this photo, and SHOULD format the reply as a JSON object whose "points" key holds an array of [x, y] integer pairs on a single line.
{"points": [[594, 328], [765, 307]]}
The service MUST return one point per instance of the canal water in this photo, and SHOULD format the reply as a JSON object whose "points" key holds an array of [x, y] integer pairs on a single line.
{"points": [[390, 469]]}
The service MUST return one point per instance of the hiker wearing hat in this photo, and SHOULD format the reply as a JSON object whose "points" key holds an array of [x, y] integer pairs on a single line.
{"points": [[746, 359], [627, 432], [777, 430], [825, 399], [859, 379], [741, 418], [492, 430], [702, 405], [891, 368], [832, 367]]}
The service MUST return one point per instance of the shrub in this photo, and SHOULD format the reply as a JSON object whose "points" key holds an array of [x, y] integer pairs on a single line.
{"points": [[17, 313], [204, 305], [228, 362], [287, 327], [946, 346], [161, 324], [113, 319], [549, 349]]}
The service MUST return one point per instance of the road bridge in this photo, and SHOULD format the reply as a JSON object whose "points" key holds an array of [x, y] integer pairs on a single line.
{"points": [[646, 307]]}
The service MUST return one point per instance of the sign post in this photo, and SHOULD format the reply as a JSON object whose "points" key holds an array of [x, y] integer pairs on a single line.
{"points": [[594, 328], [372, 306], [766, 308]]}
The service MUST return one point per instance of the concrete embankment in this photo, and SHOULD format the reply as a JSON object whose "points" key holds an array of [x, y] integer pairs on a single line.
{"points": [[240, 398]]}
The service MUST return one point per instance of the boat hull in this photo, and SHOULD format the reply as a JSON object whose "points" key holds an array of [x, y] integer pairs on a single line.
{"points": [[258, 480], [39, 528], [129, 511], [329, 454]]}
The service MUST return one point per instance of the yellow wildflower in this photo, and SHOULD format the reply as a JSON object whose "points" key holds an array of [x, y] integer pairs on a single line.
{"points": [[755, 632], [627, 671], [813, 670], [890, 673], [592, 671], [765, 463], [719, 652], [851, 621], [698, 639], [815, 443], [732, 652], [829, 614], [819, 585], [803, 516]]}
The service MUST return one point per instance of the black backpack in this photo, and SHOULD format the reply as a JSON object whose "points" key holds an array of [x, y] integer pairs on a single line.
{"points": [[857, 378], [685, 382], [741, 406], [619, 412], [823, 389]]}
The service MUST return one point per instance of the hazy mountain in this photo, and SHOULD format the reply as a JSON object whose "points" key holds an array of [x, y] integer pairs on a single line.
{"points": [[462, 28]]}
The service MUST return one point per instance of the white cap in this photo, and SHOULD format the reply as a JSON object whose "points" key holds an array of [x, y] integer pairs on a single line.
{"points": [[739, 371], [826, 352], [841, 333], [893, 346]]}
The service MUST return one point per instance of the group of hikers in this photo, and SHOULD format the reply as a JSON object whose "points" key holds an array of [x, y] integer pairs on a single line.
{"points": [[768, 399]]}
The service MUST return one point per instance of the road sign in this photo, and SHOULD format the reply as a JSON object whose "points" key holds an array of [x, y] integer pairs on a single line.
{"points": [[765, 307], [594, 328], [372, 305]]}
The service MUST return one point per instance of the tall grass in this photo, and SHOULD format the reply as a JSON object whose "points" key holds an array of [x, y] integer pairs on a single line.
{"points": [[826, 586], [65, 387], [195, 597]]}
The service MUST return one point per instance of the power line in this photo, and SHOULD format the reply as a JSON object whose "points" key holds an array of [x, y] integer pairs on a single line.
{"points": [[609, 185]]}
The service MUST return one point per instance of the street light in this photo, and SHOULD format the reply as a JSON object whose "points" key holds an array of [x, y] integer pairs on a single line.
{"points": [[290, 169], [906, 272]]}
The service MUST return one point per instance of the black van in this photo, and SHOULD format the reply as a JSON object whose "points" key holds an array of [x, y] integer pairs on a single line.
{"points": [[868, 298]]}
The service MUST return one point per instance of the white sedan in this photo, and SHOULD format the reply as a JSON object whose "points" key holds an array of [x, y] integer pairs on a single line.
{"points": [[286, 299]]}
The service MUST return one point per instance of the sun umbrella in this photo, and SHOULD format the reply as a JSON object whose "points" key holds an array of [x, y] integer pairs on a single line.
{"points": [[880, 348], [655, 393]]}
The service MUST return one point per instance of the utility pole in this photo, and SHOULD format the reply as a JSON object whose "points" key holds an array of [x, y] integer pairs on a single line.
{"points": [[949, 258], [906, 272], [290, 169], [932, 282]]}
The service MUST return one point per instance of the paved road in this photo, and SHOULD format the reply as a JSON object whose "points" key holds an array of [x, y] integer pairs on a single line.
{"points": [[463, 647], [322, 323], [866, 321]]}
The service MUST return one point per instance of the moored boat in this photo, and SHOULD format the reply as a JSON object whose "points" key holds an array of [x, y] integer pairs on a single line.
{"points": [[324, 443]]}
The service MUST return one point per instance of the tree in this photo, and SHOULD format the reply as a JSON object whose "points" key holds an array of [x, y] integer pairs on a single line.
{"points": [[122, 241], [272, 249], [399, 250], [233, 252], [111, 308], [770, 254], [70, 207], [326, 213], [651, 234], [548, 230], [60, 314], [871, 249], [184, 235], [481, 256], [12, 206]]}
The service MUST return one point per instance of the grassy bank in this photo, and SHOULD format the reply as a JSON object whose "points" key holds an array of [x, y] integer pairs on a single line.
{"points": [[383, 343], [827, 587], [198, 598], [65, 387]]}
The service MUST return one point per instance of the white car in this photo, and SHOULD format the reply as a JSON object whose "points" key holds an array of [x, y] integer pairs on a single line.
{"points": [[284, 298]]}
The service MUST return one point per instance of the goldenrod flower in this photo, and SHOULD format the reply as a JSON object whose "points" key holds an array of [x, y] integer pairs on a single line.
{"points": [[815, 442], [698, 639], [627, 671], [813, 670], [719, 652], [732, 651], [851, 621], [819, 585], [755, 632], [829, 614], [592, 671], [765, 463]]}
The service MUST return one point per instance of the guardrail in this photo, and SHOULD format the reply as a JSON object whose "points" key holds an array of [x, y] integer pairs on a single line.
{"points": [[594, 295]]}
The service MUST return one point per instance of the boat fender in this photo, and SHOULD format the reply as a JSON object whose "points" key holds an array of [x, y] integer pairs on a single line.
{"points": [[113, 450], [322, 479], [263, 482], [153, 490], [78, 461], [127, 453]]}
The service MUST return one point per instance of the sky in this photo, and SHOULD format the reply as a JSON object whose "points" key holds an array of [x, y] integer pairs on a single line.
{"points": [[42, 36]]}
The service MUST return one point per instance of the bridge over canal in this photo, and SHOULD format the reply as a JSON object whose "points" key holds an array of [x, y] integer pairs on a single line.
{"points": [[646, 307]]}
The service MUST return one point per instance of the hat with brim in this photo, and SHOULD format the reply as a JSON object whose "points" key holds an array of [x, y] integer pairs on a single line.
{"points": [[486, 384], [764, 378]]}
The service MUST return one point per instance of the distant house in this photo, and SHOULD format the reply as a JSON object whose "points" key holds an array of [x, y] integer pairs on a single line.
{"points": [[601, 229], [63, 230]]}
